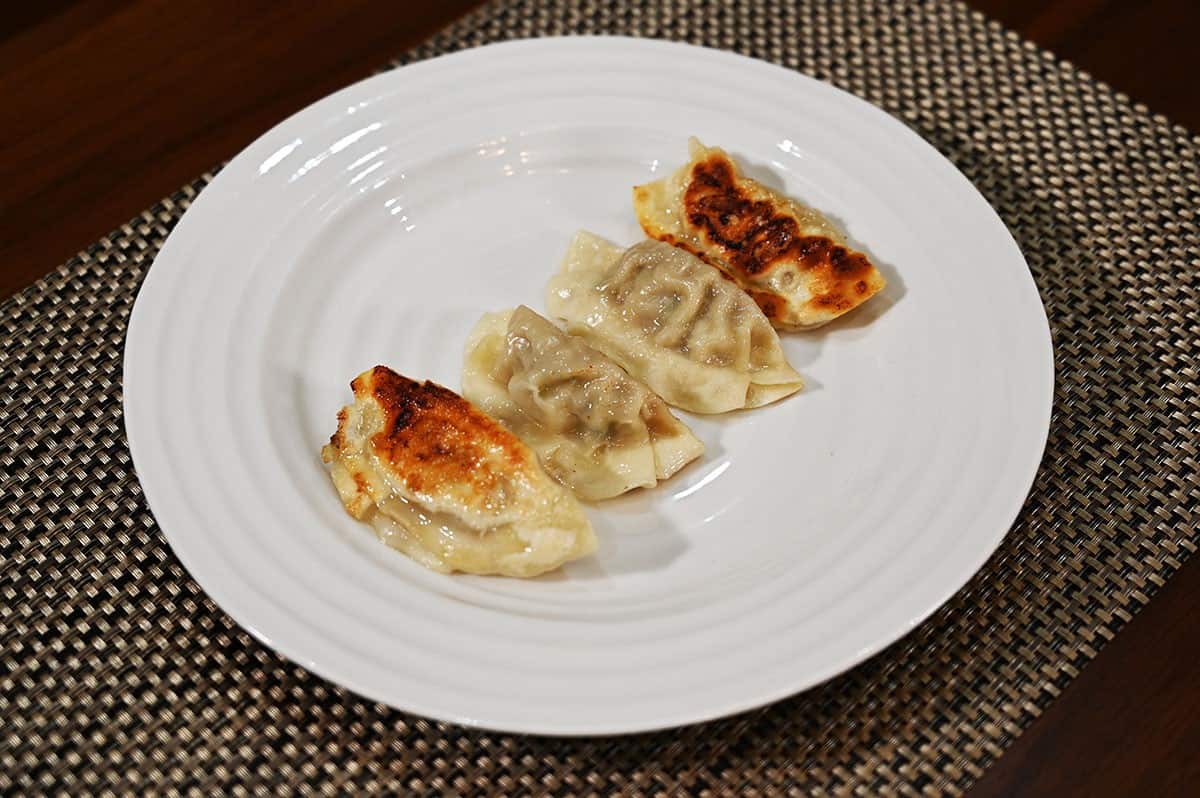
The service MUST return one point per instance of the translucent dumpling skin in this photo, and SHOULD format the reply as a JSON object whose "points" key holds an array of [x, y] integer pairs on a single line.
{"points": [[447, 485], [595, 428], [673, 322]]}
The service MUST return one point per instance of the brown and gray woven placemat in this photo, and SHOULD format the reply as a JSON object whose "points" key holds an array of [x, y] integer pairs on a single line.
{"points": [[117, 672]]}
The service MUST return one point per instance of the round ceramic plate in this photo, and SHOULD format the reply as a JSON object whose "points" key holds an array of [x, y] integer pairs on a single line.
{"points": [[378, 224]]}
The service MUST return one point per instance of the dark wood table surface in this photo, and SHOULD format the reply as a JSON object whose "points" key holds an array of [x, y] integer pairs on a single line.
{"points": [[108, 106]]}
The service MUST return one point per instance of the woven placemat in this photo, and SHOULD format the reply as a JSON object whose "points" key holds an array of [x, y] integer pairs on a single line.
{"points": [[117, 671]]}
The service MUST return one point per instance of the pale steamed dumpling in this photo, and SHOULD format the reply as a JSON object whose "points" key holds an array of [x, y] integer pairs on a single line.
{"points": [[595, 428], [672, 321]]}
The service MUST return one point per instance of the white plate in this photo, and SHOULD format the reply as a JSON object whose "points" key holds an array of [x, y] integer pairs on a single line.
{"points": [[378, 224]]}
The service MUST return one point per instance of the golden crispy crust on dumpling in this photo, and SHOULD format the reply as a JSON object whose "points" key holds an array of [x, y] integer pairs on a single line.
{"points": [[431, 436], [786, 256]]}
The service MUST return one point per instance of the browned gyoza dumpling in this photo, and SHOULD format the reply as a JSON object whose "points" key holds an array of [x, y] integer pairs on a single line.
{"points": [[787, 256], [447, 485]]}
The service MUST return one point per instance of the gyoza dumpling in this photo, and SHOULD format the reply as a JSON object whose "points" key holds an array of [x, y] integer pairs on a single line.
{"points": [[787, 256], [596, 429], [448, 486], [673, 322]]}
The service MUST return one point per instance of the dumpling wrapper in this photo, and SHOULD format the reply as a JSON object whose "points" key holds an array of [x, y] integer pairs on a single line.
{"points": [[673, 322], [447, 485], [790, 258], [596, 429]]}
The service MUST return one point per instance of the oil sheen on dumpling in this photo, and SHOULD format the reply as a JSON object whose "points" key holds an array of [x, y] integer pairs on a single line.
{"points": [[673, 322], [596, 429], [787, 256], [447, 485]]}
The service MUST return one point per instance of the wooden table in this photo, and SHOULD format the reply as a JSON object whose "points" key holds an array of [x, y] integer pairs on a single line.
{"points": [[110, 105]]}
